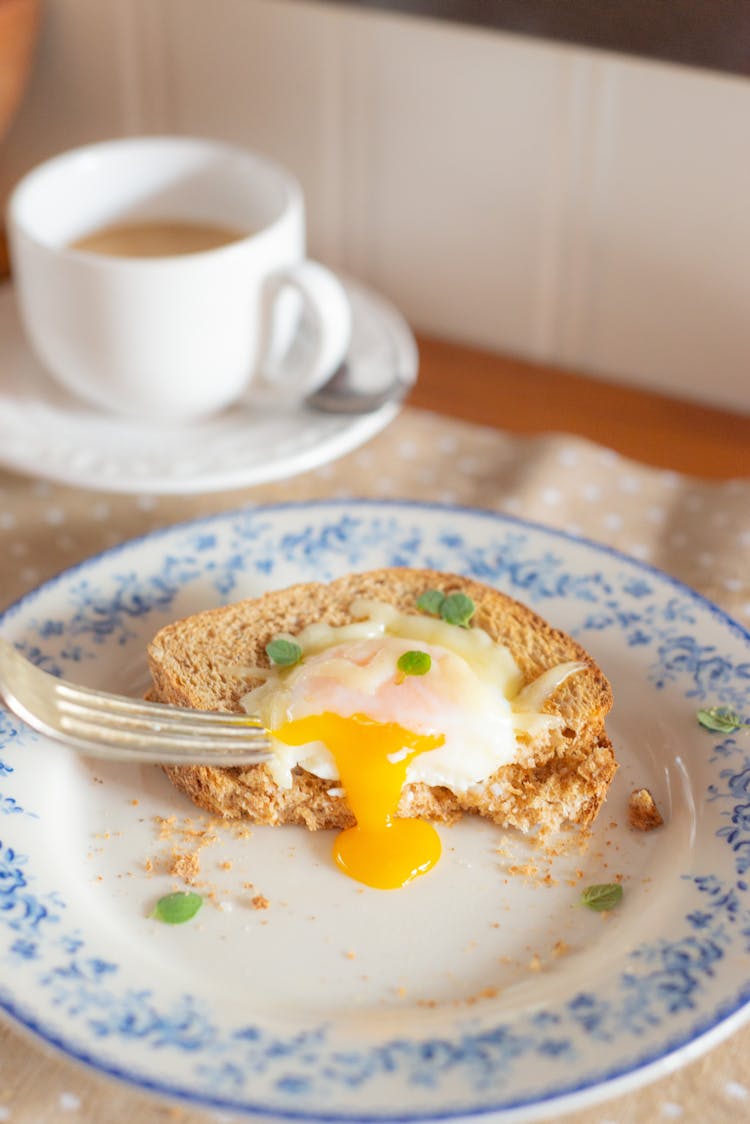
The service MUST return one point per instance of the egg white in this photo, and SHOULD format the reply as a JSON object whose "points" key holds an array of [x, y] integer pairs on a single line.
{"points": [[472, 694], [361, 677]]}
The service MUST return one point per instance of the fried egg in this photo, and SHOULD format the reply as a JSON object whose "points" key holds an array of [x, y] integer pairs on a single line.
{"points": [[348, 714]]}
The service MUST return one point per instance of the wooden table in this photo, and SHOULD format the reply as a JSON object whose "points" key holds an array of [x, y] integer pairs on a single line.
{"points": [[528, 398]]}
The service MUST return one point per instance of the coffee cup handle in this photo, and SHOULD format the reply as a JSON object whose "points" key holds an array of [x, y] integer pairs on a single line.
{"points": [[297, 370]]}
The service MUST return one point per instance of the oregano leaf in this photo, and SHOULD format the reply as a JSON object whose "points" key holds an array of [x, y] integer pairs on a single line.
{"points": [[430, 602], [602, 897], [457, 609], [176, 908], [720, 720], [284, 653], [414, 663]]}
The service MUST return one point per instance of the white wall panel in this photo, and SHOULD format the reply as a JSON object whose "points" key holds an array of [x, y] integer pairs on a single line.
{"points": [[267, 75], [664, 234], [459, 137]]}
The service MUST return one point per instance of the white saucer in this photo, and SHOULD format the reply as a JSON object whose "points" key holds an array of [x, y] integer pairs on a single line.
{"points": [[44, 431]]}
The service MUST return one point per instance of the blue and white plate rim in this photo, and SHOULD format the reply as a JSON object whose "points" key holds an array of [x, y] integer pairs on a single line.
{"points": [[670, 1054]]}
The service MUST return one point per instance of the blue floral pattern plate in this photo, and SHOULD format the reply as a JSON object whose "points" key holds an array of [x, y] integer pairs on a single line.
{"points": [[484, 987]]}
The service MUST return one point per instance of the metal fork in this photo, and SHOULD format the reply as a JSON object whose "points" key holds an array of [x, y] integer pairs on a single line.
{"points": [[125, 729]]}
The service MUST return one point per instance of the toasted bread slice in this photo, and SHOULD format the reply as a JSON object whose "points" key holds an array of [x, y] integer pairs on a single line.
{"points": [[563, 777]]}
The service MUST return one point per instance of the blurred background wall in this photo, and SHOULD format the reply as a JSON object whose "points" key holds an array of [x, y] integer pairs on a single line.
{"points": [[563, 204]]}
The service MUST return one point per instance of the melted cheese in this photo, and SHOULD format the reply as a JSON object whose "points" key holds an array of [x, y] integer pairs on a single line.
{"points": [[489, 660]]}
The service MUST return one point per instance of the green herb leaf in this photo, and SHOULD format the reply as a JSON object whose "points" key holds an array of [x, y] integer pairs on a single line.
{"points": [[602, 897], [174, 909], [414, 663], [284, 653], [721, 720], [454, 608], [458, 609], [430, 602]]}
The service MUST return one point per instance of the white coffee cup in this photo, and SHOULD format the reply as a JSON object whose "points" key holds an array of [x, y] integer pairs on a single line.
{"points": [[184, 335]]}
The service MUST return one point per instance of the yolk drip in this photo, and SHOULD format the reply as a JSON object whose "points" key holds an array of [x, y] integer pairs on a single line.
{"points": [[380, 850]]}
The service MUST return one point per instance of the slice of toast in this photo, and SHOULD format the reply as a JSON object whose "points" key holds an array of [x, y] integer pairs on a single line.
{"points": [[563, 777]]}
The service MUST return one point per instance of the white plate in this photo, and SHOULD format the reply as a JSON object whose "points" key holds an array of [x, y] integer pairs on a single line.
{"points": [[45, 431], [477, 989]]}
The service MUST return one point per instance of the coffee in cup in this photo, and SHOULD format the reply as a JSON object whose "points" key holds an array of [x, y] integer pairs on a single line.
{"points": [[166, 277], [156, 239]]}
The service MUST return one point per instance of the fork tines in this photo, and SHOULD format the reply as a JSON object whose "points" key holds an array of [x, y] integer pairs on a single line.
{"points": [[155, 731]]}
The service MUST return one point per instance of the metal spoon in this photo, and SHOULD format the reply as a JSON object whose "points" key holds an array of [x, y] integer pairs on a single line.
{"points": [[340, 394]]}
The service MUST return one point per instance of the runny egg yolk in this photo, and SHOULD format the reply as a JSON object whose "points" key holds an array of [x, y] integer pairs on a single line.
{"points": [[372, 757]]}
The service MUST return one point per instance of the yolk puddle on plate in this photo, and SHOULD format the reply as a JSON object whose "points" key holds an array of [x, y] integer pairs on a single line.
{"points": [[372, 758]]}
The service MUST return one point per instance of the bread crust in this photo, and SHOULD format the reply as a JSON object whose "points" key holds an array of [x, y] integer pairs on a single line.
{"points": [[194, 662]]}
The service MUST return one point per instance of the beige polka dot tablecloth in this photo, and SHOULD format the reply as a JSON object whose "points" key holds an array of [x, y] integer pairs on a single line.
{"points": [[697, 531]]}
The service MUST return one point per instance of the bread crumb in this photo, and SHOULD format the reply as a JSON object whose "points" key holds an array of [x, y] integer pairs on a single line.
{"points": [[535, 964], [185, 865], [135, 802], [643, 815], [570, 839], [260, 902], [226, 865], [528, 870], [351, 955], [560, 948]]}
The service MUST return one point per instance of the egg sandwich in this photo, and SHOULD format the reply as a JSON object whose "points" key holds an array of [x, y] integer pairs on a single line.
{"points": [[394, 698]]}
